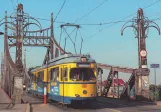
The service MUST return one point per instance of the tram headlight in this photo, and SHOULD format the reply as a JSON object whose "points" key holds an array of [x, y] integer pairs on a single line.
{"points": [[24, 86], [84, 92]]}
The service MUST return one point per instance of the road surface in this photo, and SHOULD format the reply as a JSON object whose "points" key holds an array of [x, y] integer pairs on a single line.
{"points": [[101, 105]]}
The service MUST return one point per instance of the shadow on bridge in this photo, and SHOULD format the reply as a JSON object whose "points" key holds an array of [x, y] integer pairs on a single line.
{"points": [[103, 103]]}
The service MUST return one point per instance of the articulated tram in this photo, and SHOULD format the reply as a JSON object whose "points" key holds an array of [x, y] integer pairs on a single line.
{"points": [[68, 78]]}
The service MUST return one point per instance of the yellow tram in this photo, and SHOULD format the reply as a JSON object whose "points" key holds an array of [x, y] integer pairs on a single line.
{"points": [[68, 78]]}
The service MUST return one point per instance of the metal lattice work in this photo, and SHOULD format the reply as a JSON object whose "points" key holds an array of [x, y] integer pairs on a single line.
{"points": [[114, 70], [140, 26], [15, 73]]}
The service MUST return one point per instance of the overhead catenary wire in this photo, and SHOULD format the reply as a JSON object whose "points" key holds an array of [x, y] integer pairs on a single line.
{"points": [[90, 24], [113, 23], [99, 24], [12, 4], [123, 19], [81, 41], [60, 10], [48, 20], [91, 11], [68, 36], [86, 24]]}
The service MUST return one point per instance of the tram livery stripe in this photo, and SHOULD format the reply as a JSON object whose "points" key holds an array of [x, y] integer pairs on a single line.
{"points": [[77, 82]]}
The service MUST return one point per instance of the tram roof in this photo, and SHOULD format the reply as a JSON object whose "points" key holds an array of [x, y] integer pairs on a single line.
{"points": [[66, 58]]}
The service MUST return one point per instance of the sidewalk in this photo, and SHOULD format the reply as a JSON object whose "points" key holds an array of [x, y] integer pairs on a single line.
{"points": [[15, 108]]}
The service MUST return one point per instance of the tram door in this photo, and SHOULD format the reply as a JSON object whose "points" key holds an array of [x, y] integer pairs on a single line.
{"points": [[64, 78]]}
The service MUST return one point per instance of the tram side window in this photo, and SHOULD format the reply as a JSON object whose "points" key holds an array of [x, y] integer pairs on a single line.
{"points": [[49, 75], [34, 78], [41, 76], [65, 74], [54, 74]]}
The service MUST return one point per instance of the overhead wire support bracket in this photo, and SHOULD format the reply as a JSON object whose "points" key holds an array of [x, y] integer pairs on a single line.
{"points": [[69, 24]]}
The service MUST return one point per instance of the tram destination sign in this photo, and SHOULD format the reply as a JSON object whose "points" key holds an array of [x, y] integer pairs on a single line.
{"points": [[154, 65]]}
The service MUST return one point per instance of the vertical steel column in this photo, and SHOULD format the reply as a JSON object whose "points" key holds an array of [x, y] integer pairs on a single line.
{"points": [[52, 36], [18, 79], [140, 25], [141, 39], [19, 38]]}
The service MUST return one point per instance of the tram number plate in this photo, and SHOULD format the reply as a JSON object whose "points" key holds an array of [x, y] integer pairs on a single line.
{"points": [[84, 85]]}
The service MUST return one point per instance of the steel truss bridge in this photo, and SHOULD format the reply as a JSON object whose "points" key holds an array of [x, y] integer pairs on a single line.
{"points": [[14, 73]]}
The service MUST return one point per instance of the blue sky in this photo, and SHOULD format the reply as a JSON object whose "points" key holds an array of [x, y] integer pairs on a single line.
{"points": [[108, 46]]}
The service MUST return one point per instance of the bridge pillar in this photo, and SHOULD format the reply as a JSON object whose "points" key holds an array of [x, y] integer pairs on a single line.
{"points": [[18, 90], [140, 25], [142, 87], [142, 84]]}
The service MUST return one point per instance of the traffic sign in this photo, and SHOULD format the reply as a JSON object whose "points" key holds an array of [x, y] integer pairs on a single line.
{"points": [[143, 53], [154, 65]]}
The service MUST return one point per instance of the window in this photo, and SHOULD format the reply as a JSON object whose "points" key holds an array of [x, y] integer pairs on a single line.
{"points": [[57, 52], [54, 74], [82, 74], [49, 75], [41, 76], [64, 74], [33, 78]]}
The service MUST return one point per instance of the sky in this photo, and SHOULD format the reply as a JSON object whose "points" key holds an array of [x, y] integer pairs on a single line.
{"points": [[105, 46]]}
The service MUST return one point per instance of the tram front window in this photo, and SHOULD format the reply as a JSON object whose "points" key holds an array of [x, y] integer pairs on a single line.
{"points": [[82, 74]]}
